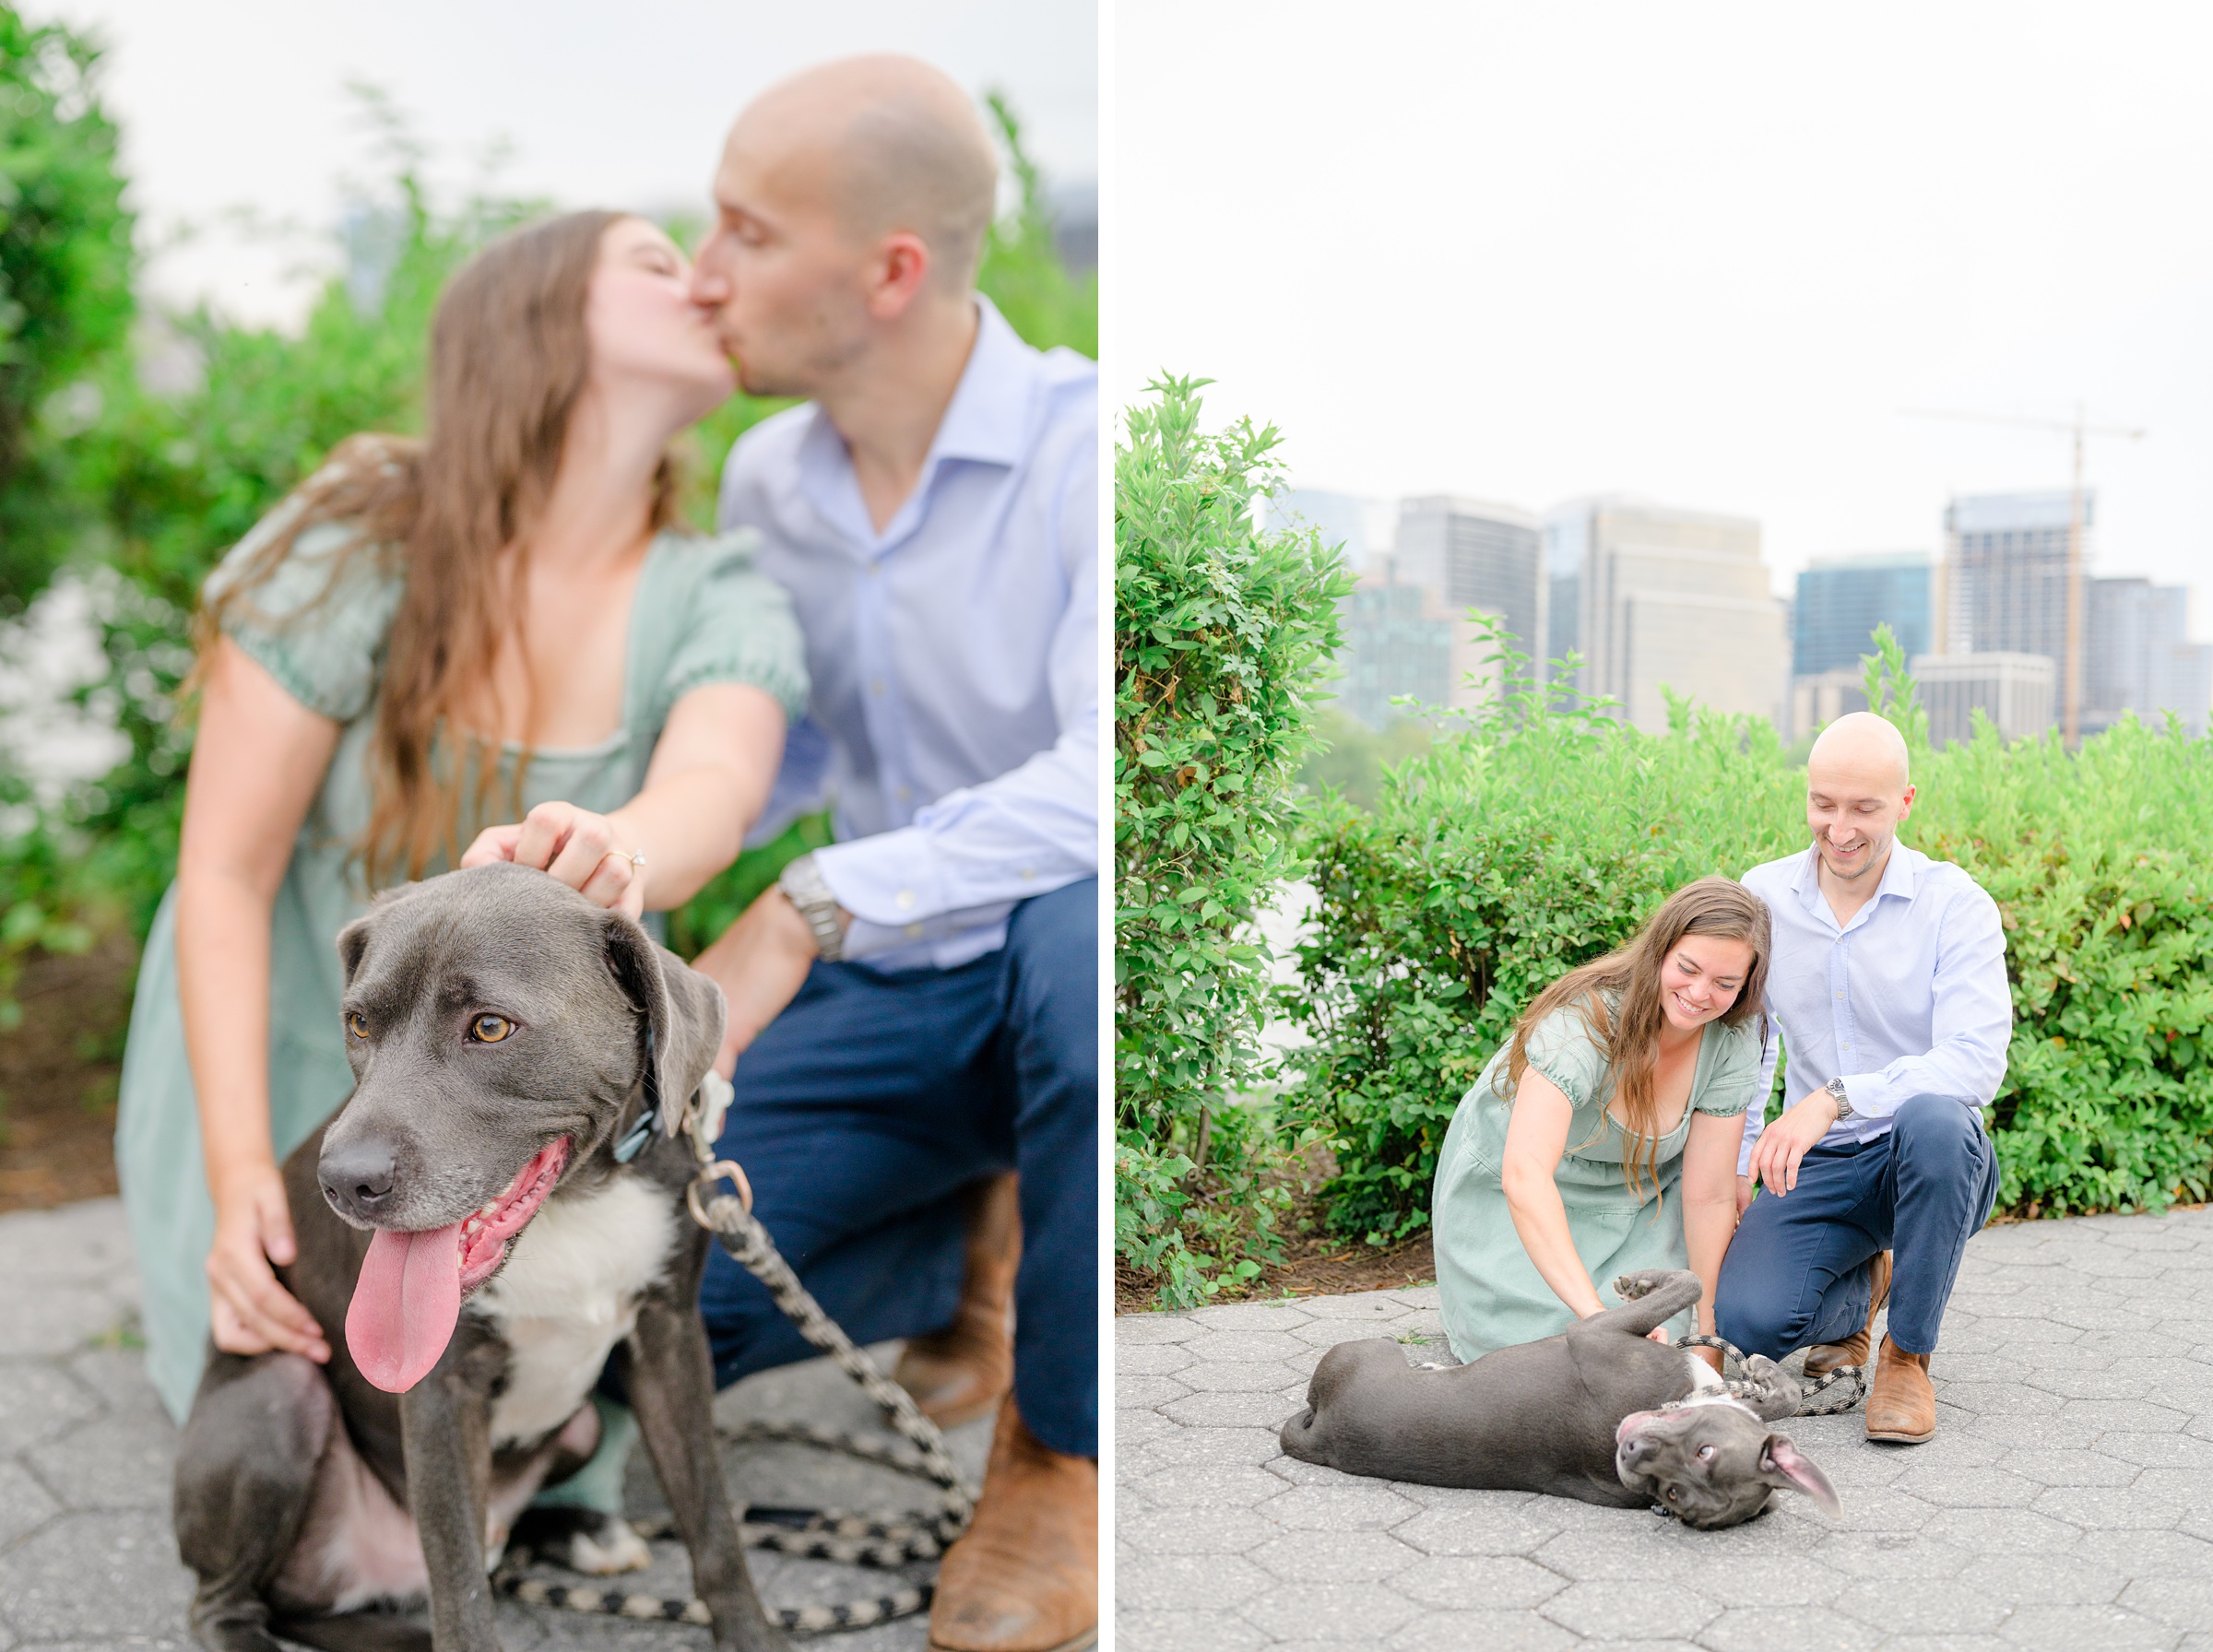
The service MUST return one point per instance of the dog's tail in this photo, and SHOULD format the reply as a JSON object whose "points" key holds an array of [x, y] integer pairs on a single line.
{"points": [[1296, 1437]]}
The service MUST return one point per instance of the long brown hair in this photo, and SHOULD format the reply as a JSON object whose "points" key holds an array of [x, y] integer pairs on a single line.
{"points": [[1627, 1027], [509, 356]]}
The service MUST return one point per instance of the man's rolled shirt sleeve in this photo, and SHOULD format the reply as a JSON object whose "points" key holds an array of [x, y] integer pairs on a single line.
{"points": [[970, 856], [1971, 1022]]}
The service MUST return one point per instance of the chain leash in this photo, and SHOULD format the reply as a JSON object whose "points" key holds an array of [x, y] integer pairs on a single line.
{"points": [[1855, 1375], [813, 1534]]}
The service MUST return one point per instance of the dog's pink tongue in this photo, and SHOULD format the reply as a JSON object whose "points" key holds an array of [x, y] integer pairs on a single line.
{"points": [[405, 1305]]}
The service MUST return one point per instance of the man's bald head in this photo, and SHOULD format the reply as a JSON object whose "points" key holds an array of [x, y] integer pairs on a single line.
{"points": [[1863, 748], [1857, 791], [886, 144]]}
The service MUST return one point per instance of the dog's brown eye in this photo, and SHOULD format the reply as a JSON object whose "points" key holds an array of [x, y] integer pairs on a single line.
{"points": [[1675, 1493], [490, 1029], [356, 1023]]}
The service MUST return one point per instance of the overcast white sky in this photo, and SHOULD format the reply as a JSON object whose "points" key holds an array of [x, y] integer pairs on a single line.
{"points": [[1703, 252], [241, 102]]}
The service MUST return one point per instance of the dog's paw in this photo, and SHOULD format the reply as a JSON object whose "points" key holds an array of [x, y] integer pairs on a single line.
{"points": [[1630, 1286], [1760, 1368], [600, 1545]]}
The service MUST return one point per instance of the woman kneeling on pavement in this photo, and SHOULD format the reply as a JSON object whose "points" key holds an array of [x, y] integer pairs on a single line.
{"points": [[1602, 1138]]}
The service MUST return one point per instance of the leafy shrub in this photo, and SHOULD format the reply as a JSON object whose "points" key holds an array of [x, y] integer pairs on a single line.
{"points": [[1536, 837], [1223, 634]]}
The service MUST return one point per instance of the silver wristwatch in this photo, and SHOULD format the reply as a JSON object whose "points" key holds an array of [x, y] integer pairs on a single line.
{"points": [[1836, 1090], [804, 882]]}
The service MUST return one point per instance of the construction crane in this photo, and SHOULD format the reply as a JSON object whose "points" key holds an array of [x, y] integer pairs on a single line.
{"points": [[2078, 428]]}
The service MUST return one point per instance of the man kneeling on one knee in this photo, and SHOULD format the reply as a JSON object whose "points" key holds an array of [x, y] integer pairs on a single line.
{"points": [[1888, 986]]}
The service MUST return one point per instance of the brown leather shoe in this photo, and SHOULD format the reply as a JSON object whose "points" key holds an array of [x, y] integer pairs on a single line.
{"points": [[963, 1372], [1826, 1357], [1901, 1405], [1025, 1578]]}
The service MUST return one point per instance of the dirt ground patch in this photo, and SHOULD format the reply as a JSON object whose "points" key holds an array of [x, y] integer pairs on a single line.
{"points": [[58, 1073]]}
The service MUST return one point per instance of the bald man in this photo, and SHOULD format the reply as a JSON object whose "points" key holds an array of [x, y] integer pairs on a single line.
{"points": [[1888, 984], [914, 1009]]}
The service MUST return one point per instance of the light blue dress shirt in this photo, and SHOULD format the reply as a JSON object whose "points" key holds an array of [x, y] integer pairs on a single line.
{"points": [[1909, 999], [953, 719]]}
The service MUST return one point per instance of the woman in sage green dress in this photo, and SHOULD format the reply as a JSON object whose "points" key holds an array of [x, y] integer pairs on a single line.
{"points": [[498, 622], [1602, 1138]]}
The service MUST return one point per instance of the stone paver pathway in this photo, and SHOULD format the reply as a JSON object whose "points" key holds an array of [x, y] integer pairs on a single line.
{"points": [[87, 1559], [2066, 1500]]}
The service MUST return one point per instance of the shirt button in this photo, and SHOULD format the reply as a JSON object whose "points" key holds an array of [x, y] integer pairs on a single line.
{"points": [[1839, 995], [914, 932], [902, 793], [1029, 874], [872, 570], [876, 687], [905, 900]]}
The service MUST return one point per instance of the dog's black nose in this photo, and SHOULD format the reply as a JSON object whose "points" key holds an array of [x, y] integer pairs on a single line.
{"points": [[357, 1179]]}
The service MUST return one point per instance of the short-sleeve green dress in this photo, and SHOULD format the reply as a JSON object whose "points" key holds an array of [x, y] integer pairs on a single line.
{"points": [[702, 614], [1493, 1296]]}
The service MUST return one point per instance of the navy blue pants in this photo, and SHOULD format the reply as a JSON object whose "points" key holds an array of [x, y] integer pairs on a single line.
{"points": [[866, 1108], [1797, 1271]]}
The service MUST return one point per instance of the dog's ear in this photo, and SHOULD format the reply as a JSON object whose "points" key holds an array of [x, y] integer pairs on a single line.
{"points": [[1783, 1466], [353, 940], [682, 1007]]}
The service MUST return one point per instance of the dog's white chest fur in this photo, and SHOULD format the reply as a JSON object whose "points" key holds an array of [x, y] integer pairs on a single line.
{"points": [[568, 1294]]}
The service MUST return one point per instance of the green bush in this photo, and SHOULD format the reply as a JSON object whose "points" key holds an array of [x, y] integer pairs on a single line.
{"points": [[1222, 635], [1538, 836]]}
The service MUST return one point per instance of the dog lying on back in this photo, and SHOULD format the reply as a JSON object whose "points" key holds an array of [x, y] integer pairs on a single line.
{"points": [[469, 1222], [1600, 1412]]}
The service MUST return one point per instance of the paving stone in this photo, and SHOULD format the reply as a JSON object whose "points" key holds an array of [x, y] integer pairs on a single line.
{"points": [[1764, 1629], [2033, 1580], [1892, 1554], [113, 1462], [2071, 1468], [25, 1504], [1194, 1631], [2149, 1553], [1190, 1582], [1365, 1505], [2113, 1508], [84, 1242], [2184, 1603], [1147, 1328], [1134, 1393], [1267, 1410], [38, 1400], [1604, 1608], [1158, 1358], [1327, 1333], [96, 1575], [1361, 1306], [1213, 1486], [1302, 1557], [1921, 1605], [2002, 1531], [1950, 1487], [1231, 1376], [1457, 1583], [1188, 1447], [47, 1318], [1197, 1531], [1512, 1528], [1362, 1613], [1252, 1316], [2099, 1626], [2137, 1416], [1250, 1345]]}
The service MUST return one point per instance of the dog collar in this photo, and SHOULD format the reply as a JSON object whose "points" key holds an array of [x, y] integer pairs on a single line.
{"points": [[701, 1118]]}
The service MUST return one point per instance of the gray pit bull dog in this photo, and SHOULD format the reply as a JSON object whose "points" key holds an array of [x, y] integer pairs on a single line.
{"points": [[1600, 1412], [465, 1218]]}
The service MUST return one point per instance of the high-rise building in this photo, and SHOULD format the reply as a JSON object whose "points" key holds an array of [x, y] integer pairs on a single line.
{"points": [[2139, 657], [1669, 600], [2005, 580], [1361, 526], [1567, 547], [1395, 642], [1842, 599], [2017, 691], [1476, 556]]}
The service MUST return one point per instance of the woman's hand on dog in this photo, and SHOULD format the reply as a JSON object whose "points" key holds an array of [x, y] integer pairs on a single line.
{"points": [[583, 849], [252, 1313]]}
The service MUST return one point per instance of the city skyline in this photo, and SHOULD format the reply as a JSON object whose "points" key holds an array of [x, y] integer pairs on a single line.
{"points": [[1530, 255]]}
